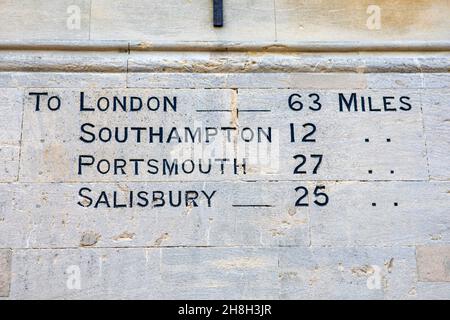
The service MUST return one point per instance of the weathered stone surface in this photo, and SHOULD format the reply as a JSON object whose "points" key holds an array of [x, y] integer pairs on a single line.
{"points": [[291, 62], [247, 80], [290, 80], [50, 216], [206, 273], [421, 215], [297, 80], [350, 20], [395, 80], [43, 19], [5, 272], [408, 81], [238, 273], [177, 80], [433, 263], [11, 106], [89, 239], [433, 290], [185, 21], [346, 273], [403, 62], [436, 80], [436, 108], [184, 273], [9, 163], [86, 273], [62, 80]]}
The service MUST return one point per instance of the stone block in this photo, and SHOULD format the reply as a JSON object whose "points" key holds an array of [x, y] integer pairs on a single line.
{"points": [[383, 214], [433, 263], [43, 19], [173, 20]]}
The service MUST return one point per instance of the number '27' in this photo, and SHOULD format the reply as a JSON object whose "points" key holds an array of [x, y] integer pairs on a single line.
{"points": [[303, 158]]}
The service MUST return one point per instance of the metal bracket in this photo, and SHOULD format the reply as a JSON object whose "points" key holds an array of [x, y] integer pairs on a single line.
{"points": [[218, 13]]}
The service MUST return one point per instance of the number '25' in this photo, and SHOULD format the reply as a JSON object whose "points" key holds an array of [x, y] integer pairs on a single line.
{"points": [[321, 198]]}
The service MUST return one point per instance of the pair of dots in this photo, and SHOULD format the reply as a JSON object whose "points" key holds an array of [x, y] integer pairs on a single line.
{"points": [[387, 140], [371, 171], [395, 204]]}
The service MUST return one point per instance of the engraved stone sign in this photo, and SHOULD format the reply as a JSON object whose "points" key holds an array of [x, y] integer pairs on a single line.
{"points": [[301, 150], [225, 167]]}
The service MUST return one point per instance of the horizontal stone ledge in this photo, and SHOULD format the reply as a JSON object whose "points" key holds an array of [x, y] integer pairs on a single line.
{"points": [[62, 61], [64, 45], [228, 46], [269, 62], [300, 46], [222, 62]]}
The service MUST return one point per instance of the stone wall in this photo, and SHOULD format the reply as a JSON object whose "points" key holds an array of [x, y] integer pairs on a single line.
{"points": [[245, 20], [382, 230]]}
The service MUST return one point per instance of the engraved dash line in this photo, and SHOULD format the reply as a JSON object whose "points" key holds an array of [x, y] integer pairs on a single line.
{"points": [[212, 110], [254, 110], [252, 206]]}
